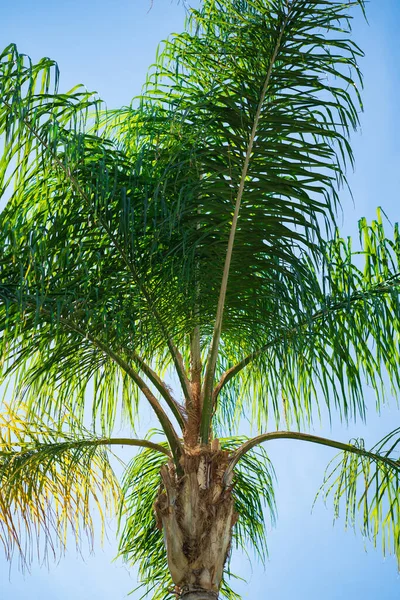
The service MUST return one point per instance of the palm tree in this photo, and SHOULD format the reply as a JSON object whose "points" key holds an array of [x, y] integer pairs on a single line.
{"points": [[191, 233]]}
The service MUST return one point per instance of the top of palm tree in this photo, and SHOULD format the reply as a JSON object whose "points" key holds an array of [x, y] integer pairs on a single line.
{"points": [[196, 230]]}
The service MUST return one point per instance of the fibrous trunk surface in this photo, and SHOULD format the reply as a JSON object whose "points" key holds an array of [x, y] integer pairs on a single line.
{"points": [[196, 512]]}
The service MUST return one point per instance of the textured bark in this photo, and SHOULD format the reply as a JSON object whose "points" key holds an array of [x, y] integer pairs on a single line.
{"points": [[198, 595], [196, 512]]}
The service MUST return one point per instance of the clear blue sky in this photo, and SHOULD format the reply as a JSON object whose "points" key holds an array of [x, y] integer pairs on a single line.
{"points": [[108, 47]]}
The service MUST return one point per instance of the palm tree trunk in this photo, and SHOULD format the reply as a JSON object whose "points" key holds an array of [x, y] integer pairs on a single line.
{"points": [[199, 594], [196, 513]]}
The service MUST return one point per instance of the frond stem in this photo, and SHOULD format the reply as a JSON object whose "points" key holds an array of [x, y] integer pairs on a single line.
{"points": [[107, 442], [176, 408], [132, 442], [214, 346], [304, 437], [162, 416]]}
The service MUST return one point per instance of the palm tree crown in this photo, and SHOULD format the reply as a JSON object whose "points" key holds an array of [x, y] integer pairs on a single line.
{"points": [[193, 231]]}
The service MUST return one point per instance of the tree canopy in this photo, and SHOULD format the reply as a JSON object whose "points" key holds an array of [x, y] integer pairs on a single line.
{"points": [[194, 231]]}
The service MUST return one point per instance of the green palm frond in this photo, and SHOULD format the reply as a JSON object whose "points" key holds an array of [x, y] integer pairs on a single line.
{"points": [[141, 542], [367, 490], [208, 85], [53, 477], [69, 283], [253, 104], [192, 130], [344, 333]]}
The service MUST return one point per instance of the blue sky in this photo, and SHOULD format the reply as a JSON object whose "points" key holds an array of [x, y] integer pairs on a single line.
{"points": [[108, 46]]}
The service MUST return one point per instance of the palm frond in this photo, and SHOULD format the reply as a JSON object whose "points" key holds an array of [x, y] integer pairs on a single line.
{"points": [[345, 332], [53, 477], [54, 268], [209, 83], [192, 128], [367, 490], [250, 107]]}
